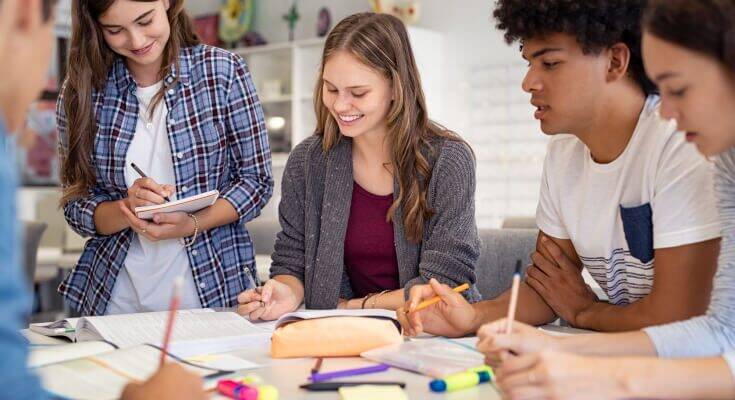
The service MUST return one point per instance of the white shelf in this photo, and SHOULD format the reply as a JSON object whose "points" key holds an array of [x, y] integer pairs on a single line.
{"points": [[279, 47]]}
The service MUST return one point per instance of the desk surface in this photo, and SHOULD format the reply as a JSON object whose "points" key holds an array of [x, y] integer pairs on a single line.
{"points": [[288, 374]]}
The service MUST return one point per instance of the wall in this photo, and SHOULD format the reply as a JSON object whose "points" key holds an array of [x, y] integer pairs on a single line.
{"points": [[486, 105], [269, 20]]}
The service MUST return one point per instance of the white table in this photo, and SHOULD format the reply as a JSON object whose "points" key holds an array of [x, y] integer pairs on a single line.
{"points": [[288, 374]]}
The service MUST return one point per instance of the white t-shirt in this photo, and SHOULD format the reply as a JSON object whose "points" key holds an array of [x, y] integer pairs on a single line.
{"points": [[146, 281], [656, 194]]}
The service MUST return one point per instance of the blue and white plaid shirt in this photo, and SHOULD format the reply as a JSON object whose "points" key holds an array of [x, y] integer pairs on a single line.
{"points": [[218, 141]]}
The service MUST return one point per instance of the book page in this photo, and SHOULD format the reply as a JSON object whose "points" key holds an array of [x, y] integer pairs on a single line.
{"points": [[45, 355], [196, 326], [104, 376]]}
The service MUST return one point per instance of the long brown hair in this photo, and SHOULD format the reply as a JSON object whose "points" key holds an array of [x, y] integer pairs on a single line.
{"points": [[90, 60], [380, 41], [704, 26]]}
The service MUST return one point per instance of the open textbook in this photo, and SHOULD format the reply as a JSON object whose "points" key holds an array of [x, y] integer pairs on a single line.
{"points": [[113, 350], [97, 370], [201, 331]]}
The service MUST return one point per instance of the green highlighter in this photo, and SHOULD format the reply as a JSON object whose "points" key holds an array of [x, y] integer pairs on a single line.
{"points": [[462, 380]]}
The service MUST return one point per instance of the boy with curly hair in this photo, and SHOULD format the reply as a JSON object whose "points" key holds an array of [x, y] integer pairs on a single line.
{"points": [[616, 192]]}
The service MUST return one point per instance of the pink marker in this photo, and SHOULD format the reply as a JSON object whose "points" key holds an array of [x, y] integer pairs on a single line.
{"points": [[236, 390]]}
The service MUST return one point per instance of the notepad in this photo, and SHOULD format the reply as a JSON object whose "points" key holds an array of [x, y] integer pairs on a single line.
{"points": [[372, 392], [200, 331], [104, 373], [188, 204]]}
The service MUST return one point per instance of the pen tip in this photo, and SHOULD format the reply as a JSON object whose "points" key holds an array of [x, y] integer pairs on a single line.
{"points": [[519, 264]]}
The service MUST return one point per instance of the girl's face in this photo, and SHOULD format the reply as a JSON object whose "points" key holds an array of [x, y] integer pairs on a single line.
{"points": [[696, 90], [137, 30], [357, 96]]}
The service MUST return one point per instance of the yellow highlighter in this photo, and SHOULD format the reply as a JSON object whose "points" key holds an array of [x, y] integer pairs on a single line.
{"points": [[459, 289], [265, 392], [462, 380]]}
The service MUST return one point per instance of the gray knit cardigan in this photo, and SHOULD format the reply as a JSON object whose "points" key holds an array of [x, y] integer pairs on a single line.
{"points": [[315, 207]]}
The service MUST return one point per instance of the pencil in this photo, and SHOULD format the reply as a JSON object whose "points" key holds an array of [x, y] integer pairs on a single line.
{"points": [[513, 298], [459, 289], [175, 298], [317, 366]]}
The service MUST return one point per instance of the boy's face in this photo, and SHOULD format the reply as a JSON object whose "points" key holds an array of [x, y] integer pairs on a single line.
{"points": [[565, 84]]}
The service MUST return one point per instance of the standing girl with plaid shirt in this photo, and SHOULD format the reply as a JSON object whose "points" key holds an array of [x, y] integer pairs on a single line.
{"points": [[141, 89]]}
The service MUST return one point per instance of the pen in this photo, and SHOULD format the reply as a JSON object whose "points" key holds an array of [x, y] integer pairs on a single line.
{"points": [[513, 298], [324, 386], [143, 175], [58, 331], [171, 316], [459, 289]]}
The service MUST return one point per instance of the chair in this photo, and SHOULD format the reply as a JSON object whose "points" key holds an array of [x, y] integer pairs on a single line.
{"points": [[501, 248], [519, 223], [32, 232]]}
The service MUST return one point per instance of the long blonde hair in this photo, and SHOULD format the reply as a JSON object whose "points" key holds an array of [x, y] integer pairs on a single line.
{"points": [[380, 41], [90, 60]]}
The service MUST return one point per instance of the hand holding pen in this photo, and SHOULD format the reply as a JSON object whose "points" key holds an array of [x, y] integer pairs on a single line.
{"points": [[147, 192]]}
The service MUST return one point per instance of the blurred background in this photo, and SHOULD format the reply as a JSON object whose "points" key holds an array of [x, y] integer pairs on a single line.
{"points": [[471, 78]]}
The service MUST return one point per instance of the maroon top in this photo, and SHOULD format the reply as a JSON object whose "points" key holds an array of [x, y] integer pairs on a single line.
{"points": [[370, 251]]}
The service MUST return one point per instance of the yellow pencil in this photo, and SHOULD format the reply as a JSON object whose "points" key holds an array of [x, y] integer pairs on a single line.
{"points": [[459, 289]]}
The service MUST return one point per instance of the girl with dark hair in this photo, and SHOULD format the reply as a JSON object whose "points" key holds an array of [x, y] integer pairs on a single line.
{"points": [[142, 90], [26, 38], [689, 52], [380, 198]]}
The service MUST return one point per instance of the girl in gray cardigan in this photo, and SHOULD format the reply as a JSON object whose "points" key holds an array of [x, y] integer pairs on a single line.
{"points": [[380, 198], [689, 53]]}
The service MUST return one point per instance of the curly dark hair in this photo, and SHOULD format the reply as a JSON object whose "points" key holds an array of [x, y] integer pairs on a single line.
{"points": [[596, 24]]}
